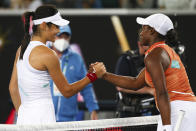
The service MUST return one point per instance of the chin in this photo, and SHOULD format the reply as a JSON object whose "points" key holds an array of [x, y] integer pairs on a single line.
{"points": [[144, 43]]}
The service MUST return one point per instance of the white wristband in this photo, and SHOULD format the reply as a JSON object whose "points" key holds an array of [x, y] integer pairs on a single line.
{"points": [[167, 128]]}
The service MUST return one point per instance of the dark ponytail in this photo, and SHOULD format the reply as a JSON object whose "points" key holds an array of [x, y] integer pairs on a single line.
{"points": [[27, 18], [171, 38]]}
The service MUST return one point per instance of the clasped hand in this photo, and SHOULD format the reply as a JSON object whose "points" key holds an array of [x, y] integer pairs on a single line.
{"points": [[98, 68]]}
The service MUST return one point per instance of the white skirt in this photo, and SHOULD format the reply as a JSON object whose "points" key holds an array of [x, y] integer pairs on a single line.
{"points": [[188, 122], [36, 113]]}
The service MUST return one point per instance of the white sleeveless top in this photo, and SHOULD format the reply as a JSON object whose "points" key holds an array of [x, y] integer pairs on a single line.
{"points": [[34, 88]]}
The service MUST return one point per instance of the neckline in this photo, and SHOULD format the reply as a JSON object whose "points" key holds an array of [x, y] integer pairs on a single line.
{"points": [[37, 42], [157, 43], [153, 45]]}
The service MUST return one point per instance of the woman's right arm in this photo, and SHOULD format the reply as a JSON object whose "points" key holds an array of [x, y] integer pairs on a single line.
{"points": [[13, 85], [67, 90], [127, 82]]}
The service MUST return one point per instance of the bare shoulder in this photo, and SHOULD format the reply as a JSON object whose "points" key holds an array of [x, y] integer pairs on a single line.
{"points": [[156, 55], [44, 52], [44, 56]]}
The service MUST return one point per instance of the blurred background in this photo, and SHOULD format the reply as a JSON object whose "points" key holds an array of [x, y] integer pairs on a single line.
{"points": [[93, 32]]}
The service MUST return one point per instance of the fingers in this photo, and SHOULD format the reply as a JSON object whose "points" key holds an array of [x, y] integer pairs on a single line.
{"points": [[90, 70], [91, 67], [98, 68]]}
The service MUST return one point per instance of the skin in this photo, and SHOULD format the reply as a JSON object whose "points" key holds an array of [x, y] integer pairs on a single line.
{"points": [[94, 115], [43, 58], [144, 90], [156, 63]]}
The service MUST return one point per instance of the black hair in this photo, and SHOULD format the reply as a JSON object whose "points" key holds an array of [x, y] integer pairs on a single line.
{"points": [[41, 12], [171, 39]]}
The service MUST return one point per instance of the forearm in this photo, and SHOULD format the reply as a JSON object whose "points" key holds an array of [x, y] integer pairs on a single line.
{"points": [[122, 81], [14, 93], [76, 87], [144, 90], [164, 108]]}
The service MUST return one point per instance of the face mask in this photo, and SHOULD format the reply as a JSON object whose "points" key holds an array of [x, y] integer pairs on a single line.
{"points": [[61, 44]]}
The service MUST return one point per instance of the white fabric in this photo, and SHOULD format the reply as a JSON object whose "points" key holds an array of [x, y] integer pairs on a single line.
{"points": [[55, 19], [160, 22], [188, 122], [34, 88], [167, 128]]}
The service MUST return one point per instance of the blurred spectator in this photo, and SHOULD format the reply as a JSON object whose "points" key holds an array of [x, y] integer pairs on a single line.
{"points": [[4, 3], [138, 3], [128, 3], [110, 3], [25, 4], [62, 3], [176, 4], [146, 3], [75, 3], [88, 4], [34, 4]]}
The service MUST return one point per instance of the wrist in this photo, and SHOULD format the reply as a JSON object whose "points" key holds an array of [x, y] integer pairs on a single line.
{"points": [[92, 76], [167, 127], [105, 76]]}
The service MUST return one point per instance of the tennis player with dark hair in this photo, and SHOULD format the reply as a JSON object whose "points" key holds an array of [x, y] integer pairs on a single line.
{"points": [[163, 71], [34, 66]]}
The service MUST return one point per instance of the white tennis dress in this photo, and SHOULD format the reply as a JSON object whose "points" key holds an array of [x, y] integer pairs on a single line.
{"points": [[34, 88]]}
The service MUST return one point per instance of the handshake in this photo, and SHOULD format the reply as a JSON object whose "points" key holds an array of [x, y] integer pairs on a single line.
{"points": [[96, 70]]}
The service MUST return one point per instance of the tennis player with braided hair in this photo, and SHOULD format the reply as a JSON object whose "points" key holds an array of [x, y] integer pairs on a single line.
{"points": [[163, 71], [34, 66]]}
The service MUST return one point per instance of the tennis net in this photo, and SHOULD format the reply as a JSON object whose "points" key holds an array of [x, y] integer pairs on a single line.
{"points": [[146, 123]]}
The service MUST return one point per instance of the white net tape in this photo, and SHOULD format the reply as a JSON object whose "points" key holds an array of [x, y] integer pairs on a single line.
{"points": [[82, 125]]}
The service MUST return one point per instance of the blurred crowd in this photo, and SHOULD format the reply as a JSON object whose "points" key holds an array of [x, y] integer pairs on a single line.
{"points": [[159, 4]]}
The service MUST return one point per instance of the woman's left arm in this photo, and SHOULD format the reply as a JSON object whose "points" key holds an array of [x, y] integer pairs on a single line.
{"points": [[156, 67], [13, 85]]}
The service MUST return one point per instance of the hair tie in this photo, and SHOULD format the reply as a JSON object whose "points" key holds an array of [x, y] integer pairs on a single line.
{"points": [[31, 25]]}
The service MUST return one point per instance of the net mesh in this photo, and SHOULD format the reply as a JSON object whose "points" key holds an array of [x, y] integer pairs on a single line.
{"points": [[146, 123]]}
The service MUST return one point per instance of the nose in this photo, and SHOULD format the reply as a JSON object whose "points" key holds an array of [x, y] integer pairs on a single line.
{"points": [[141, 32]]}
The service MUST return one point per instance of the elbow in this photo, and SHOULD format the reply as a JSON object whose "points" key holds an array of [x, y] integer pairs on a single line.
{"points": [[163, 95], [68, 92], [67, 95], [136, 86], [11, 89]]}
